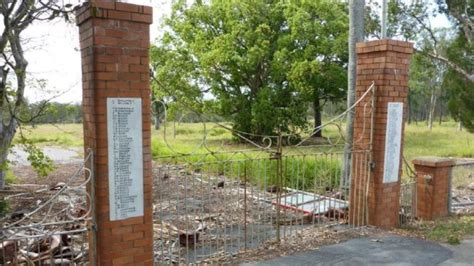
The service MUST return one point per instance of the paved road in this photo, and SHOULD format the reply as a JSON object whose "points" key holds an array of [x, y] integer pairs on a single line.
{"points": [[57, 154], [391, 250]]}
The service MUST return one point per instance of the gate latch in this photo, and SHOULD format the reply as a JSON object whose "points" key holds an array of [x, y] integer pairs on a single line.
{"points": [[372, 165]]}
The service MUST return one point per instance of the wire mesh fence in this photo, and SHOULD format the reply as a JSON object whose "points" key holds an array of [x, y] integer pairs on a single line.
{"points": [[461, 199], [408, 202]]}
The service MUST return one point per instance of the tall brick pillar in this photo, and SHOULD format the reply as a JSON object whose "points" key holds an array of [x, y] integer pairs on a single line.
{"points": [[432, 186], [114, 41], [386, 63]]}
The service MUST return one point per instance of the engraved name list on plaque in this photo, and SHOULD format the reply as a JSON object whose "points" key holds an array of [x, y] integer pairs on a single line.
{"points": [[393, 142], [125, 157]]}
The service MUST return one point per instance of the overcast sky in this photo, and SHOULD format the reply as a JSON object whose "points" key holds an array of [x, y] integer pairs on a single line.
{"points": [[52, 50], [53, 53]]}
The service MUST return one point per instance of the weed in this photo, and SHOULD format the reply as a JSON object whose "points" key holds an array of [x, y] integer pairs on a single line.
{"points": [[10, 178], [450, 229], [4, 207]]}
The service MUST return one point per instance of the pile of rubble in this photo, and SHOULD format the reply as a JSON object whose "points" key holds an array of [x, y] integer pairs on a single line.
{"points": [[46, 226], [198, 216]]}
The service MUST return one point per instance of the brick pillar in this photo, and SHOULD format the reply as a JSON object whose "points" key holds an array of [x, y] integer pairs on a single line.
{"points": [[386, 62], [432, 186], [114, 41]]}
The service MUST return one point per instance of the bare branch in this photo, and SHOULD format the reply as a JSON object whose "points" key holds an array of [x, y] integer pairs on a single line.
{"points": [[454, 66]]}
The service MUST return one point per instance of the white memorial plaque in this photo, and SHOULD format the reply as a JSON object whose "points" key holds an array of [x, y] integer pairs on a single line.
{"points": [[125, 151], [393, 139]]}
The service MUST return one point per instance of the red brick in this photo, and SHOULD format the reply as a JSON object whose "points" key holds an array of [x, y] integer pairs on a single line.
{"points": [[108, 52], [127, 7], [377, 61], [146, 18], [147, 10], [112, 14]]}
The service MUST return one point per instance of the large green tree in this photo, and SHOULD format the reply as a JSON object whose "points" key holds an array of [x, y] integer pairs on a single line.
{"points": [[262, 61]]}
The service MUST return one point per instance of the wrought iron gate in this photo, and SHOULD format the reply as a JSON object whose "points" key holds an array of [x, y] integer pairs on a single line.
{"points": [[53, 223], [210, 201]]}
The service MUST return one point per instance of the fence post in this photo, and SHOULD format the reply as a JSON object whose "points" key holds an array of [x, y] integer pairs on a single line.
{"points": [[386, 63], [114, 41], [433, 177], [279, 173]]}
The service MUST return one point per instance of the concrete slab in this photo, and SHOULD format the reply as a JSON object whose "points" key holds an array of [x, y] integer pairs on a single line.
{"points": [[390, 250]]}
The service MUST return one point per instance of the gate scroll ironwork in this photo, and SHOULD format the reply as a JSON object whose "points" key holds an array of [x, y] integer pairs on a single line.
{"points": [[52, 224], [217, 200]]}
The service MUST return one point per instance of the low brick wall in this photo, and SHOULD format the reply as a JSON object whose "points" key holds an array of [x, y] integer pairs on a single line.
{"points": [[433, 184]]}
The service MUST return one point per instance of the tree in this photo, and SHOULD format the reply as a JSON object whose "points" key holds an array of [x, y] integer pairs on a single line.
{"points": [[261, 60], [459, 79], [426, 78], [318, 70], [356, 34], [455, 51], [17, 15]]}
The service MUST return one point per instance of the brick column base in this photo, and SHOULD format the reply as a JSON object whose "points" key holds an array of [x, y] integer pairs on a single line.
{"points": [[432, 187]]}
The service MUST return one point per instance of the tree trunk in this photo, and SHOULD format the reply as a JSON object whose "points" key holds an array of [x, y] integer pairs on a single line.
{"points": [[6, 138], [3, 168], [431, 109], [440, 108], [318, 132], [356, 34], [409, 108]]}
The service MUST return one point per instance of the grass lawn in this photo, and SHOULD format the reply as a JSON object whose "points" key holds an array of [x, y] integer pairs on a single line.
{"points": [[188, 138], [62, 135], [444, 140], [450, 229]]}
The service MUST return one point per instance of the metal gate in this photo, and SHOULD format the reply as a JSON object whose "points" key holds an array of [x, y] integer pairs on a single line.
{"points": [[52, 224], [217, 201]]}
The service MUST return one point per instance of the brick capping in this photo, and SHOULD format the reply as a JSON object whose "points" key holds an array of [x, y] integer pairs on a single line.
{"points": [[384, 45], [433, 161], [116, 11]]}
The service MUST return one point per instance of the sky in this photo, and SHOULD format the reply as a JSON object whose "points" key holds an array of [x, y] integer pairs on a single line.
{"points": [[52, 50]]}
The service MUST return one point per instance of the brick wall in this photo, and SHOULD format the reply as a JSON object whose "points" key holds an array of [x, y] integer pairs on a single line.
{"points": [[114, 41], [432, 187], [386, 62]]}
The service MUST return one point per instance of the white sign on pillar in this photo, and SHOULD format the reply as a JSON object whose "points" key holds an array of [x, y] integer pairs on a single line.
{"points": [[125, 157], [393, 142]]}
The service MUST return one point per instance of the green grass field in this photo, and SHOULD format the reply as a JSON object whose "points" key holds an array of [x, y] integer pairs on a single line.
{"points": [[444, 140], [62, 135], [220, 153]]}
